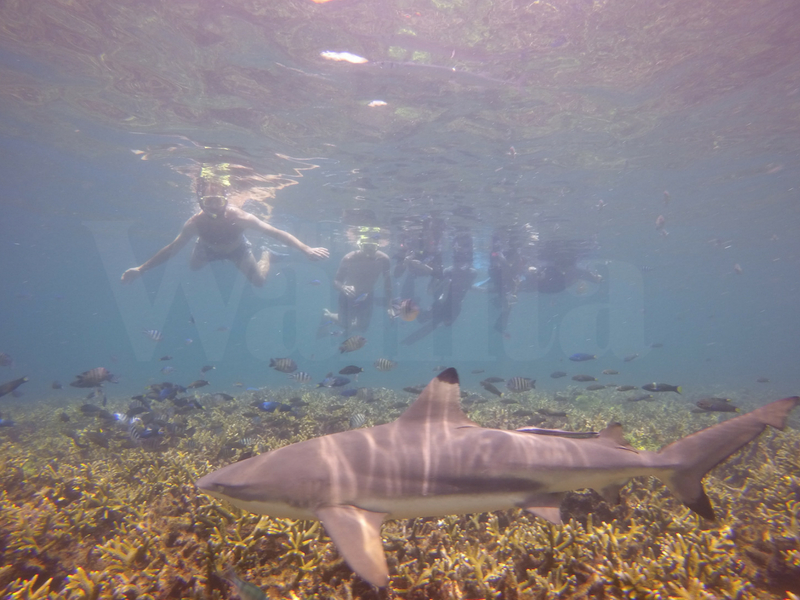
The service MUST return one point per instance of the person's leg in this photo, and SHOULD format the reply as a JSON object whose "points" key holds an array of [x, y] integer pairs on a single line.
{"points": [[362, 314], [251, 269]]}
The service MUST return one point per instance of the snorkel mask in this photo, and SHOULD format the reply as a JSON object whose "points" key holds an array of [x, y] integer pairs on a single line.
{"points": [[214, 206], [214, 179], [368, 238]]}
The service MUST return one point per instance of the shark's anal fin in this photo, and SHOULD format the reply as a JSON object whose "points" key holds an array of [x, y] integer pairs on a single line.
{"points": [[357, 534]]}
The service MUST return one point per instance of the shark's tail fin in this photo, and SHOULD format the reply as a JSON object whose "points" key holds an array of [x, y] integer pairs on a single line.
{"points": [[695, 455]]}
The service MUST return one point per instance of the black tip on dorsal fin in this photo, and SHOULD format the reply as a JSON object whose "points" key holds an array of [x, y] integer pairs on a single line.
{"points": [[448, 376]]}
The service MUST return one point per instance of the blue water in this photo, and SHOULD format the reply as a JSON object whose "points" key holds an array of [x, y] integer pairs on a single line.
{"points": [[80, 203]]}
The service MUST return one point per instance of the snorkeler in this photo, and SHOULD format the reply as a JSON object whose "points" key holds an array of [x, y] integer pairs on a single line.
{"points": [[219, 229], [556, 267], [358, 272], [451, 289]]}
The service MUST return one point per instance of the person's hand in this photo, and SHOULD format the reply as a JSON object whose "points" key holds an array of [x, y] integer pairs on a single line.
{"points": [[349, 291], [317, 253], [391, 312], [131, 274]]}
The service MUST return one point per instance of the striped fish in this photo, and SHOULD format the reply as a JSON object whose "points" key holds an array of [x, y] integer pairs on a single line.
{"points": [[357, 420], [301, 377], [520, 384], [284, 365], [352, 343], [153, 334], [93, 378], [384, 364]]}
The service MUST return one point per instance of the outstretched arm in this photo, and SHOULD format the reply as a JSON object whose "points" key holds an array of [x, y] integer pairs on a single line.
{"points": [[287, 238], [188, 231]]}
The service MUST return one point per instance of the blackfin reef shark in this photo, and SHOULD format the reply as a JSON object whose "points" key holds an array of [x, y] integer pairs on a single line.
{"points": [[433, 461]]}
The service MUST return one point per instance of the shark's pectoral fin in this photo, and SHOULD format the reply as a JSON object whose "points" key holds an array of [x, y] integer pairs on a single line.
{"points": [[546, 507], [357, 534]]}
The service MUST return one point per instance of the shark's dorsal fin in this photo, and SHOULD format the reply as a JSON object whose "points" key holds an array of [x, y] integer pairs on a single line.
{"points": [[357, 534], [439, 402]]}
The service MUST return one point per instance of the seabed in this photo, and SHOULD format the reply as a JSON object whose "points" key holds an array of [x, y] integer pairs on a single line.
{"points": [[82, 521]]}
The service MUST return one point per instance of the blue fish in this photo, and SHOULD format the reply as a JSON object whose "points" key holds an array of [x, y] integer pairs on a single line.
{"points": [[6, 423], [361, 298], [272, 406], [582, 356]]}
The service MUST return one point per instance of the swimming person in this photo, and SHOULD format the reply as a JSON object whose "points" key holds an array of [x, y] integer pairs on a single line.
{"points": [[450, 290], [358, 272], [219, 229]]}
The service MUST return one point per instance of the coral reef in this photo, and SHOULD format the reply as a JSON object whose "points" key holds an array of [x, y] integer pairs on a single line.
{"points": [[86, 521]]}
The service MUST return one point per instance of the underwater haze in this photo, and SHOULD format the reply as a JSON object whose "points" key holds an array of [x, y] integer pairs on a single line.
{"points": [[602, 188]]}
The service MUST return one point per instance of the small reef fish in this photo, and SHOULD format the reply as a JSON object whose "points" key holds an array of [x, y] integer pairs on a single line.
{"points": [[521, 384], [630, 357], [558, 374], [244, 589], [547, 412], [352, 343], [272, 406], [331, 381], [301, 377], [56, 385], [351, 370], [494, 380], [643, 398], [662, 387], [6, 360], [167, 370], [762, 380], [6, 422], [284, 365], [207, 368], [406, 310], [583, 378], [582, 356], [715, 405], [417, 389], [197, 384], [153, 334], [93, 378], [610, 372], [626, 388], [165, 357], [595, 386], [384, 364], [489, 387], [357, 420]]}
